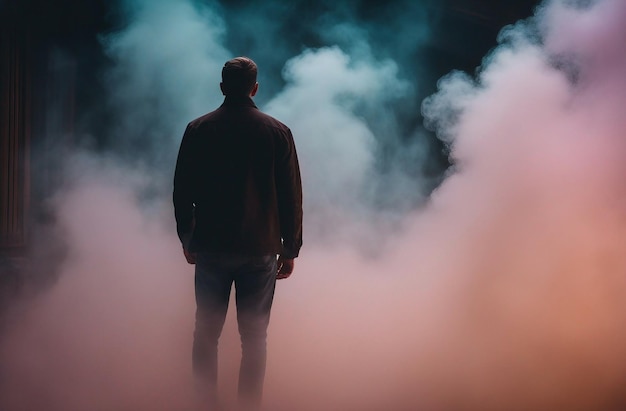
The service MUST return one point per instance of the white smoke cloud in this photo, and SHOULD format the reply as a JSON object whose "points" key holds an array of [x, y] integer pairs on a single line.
{"points": [[505, 292], [321, 102], [167, 69]]}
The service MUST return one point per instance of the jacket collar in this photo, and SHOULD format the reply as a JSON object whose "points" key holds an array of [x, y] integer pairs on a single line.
{"points": [[238, 101]]}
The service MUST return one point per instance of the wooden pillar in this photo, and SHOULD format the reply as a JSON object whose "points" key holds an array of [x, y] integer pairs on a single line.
{"points": [[15, 133]]}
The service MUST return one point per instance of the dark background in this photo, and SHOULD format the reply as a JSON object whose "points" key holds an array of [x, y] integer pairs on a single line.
{"points": [[461, 33]]}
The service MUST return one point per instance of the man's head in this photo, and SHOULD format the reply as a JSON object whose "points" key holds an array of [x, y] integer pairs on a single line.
{"points": [[239, 77]]}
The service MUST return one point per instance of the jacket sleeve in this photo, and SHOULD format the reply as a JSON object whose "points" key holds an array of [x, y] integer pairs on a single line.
{"points": [[183, 189], [289, 191]]}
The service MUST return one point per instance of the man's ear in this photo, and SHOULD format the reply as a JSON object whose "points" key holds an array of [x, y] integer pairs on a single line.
{"points": [[222, 88], [254, 89]]}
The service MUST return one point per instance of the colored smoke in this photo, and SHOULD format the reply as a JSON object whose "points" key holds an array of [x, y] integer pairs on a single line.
{"points": [[505, 292]]}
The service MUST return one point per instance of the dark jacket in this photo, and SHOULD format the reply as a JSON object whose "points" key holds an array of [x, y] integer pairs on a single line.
{"points": [[237, 183]]}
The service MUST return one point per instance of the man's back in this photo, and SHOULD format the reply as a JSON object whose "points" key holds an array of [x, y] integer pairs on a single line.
{"points": [[239, 168]]}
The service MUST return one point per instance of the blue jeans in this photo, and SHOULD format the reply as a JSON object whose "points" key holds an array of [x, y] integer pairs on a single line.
{"points": [[255, 281]]}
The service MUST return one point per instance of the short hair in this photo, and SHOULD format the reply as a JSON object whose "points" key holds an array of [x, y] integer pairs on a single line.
{"points": [[239, 76]]}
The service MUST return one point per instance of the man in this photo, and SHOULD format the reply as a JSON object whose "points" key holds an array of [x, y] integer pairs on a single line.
{"points": [[238, 205]]}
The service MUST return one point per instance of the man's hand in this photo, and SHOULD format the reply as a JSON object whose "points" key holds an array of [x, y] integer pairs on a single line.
{"points": [[191, 257], [285, 267]]}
